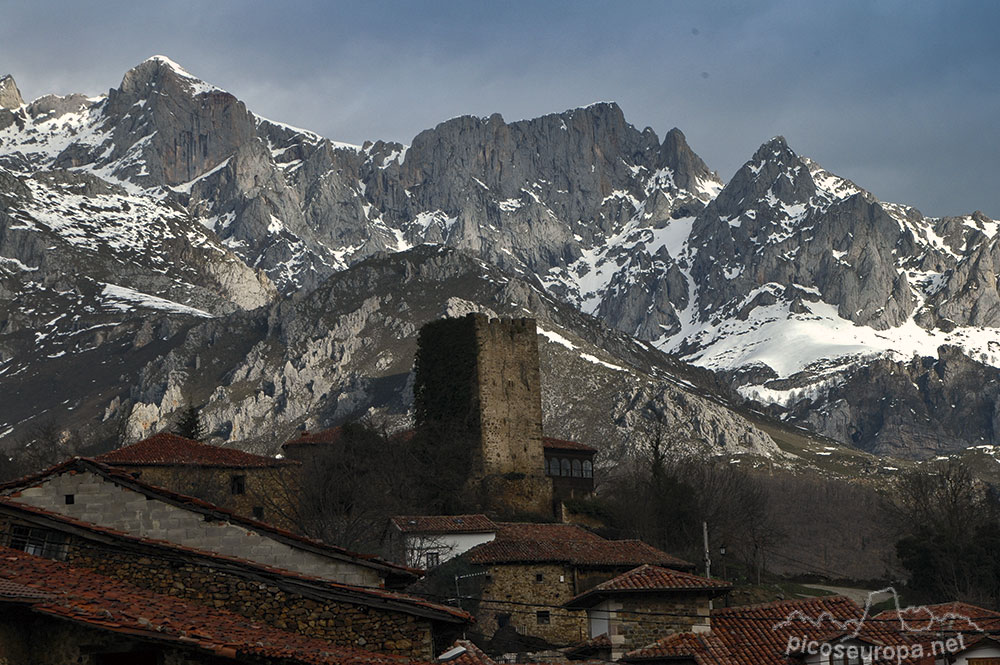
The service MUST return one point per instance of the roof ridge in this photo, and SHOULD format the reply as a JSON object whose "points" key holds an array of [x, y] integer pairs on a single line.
{"points": [[246, 563], [775, 603], [89, 598], [200, 505], [170, 449]]}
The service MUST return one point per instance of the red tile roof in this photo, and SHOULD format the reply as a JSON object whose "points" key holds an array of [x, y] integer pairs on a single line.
{"points": [[444, 523], [518, 542], [649, 579], [702, 648], [330, 435], [758, 634], [165, 449], [464, 652], [945, 616], [14, 591], [401, 602], [210, 510], [561, 444], [87, 598]]}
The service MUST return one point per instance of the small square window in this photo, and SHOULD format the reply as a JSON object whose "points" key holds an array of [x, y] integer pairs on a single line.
{"points": [[433, 559], [539, 577], [70, 499], [542, 617], [258, 512], [238, 485]]}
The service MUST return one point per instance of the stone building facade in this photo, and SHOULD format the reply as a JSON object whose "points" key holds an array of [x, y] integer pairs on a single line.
{"points": [[90, 492], [533, 570], [646, 604], [54, 612], [254, 486], [480, 377], [379, 620]]}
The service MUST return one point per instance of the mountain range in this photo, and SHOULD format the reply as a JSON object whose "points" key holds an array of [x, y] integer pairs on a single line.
{"points": [[162, 245]]}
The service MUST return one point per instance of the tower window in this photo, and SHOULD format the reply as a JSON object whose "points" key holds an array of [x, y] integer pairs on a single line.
{"points": [[70, 499], [588, 469], [564, 465], [577, 469]]}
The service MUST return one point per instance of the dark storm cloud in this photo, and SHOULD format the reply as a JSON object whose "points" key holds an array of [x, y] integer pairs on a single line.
{"points": [[899, 96]]}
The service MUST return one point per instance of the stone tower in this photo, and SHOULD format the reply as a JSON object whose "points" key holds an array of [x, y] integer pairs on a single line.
{"points": [[478, 379]]}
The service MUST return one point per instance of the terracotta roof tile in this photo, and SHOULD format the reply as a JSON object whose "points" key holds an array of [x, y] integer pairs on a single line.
{"points": [[645, 579], [444, 523], [561, 444], [13, 591], [758, 634], [955, 615], [534, 543], [464, 652], [330, 435], [165, 449], [703, 648], [85, 597]]}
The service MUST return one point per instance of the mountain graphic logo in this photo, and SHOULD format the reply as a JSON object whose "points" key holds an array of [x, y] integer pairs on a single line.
{"points": [[909, 619]]}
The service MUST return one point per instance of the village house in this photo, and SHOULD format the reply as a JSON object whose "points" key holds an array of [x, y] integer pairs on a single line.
{"points": [[978, 629], [342, 614], [92, 492], [255, 486], [427, 541], [775, 633], [646, 603], [532, 570], [53, 613]]}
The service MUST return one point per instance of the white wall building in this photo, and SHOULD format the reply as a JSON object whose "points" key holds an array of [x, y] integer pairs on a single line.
{"points": [[427, 541]]}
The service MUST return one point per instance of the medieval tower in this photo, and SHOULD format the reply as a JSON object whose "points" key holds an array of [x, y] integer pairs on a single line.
{"points": [[478, 379]]}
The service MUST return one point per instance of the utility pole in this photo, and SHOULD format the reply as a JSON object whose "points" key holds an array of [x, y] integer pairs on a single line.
{"points": [[708, 558]]}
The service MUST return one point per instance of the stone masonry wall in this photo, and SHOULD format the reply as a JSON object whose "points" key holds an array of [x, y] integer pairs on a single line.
{"points": [[510, 404], [105, 503], [269, 490], [258, 598], [520, 583], [672, 613]]}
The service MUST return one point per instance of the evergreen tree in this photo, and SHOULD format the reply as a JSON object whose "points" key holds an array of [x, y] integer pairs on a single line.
{"points": [[189, 424]]}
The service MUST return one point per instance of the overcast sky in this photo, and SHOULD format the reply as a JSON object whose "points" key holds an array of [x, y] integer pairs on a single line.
{"points": [[903, 97]]}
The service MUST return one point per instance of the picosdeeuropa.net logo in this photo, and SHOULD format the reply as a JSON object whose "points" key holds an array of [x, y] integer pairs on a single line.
{"points": [[900, 635]]}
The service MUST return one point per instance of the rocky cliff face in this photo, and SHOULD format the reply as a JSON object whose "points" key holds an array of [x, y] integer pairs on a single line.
{"points": [[167, 202], [347, 349]]}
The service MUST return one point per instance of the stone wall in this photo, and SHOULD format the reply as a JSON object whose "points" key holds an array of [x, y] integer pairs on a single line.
{"points": [[509, 386], [105, 503], [479, 378], [268, 491], [256, 596], [672, 613], [521, 584]]}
